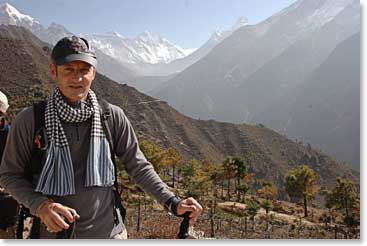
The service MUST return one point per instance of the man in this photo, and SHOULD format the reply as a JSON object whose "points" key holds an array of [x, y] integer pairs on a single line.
{"points": [[8, 205], [4, 126], [78, 175]]}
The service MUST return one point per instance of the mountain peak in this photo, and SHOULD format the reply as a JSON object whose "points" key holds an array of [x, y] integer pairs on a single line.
{"points": [[217, 36], [113, 33], [242, 21], [149, 37], [13, 15], [55, 26], [9, 9], [145, 48]]}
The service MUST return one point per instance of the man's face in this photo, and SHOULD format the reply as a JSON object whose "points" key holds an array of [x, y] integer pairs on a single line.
{"points": [[74, 80]]}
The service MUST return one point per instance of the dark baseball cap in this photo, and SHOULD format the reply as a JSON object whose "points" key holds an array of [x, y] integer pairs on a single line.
{"points": [[73, 48]]}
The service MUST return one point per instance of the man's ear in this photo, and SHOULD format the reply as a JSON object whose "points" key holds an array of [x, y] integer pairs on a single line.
{"points": [[94, 72], [53, 71]]}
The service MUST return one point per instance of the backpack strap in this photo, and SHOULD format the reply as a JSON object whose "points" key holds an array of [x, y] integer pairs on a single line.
{"points": [[4, 134], [34, 167], [107, 124], [39, 141]]}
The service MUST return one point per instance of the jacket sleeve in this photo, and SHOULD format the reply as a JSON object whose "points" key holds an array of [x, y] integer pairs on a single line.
{"points": [[137, 166], [17, 153]]}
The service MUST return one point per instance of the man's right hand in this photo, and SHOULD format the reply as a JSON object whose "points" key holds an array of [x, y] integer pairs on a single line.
{"points": [[51, 214]]}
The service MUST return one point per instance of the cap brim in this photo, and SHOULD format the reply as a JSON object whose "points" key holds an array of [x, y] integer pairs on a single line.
{"points": [[77, 57]]}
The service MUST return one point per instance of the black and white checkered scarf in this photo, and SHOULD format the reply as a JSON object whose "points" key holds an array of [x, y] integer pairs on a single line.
{"points": [[57, 176]]}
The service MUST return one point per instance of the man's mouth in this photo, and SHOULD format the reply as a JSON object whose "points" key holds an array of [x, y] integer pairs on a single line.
{"points": [[76, 87]]}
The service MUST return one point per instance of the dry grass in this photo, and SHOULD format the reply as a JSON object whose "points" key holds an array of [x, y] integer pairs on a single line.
{"points": [[158, 224]]}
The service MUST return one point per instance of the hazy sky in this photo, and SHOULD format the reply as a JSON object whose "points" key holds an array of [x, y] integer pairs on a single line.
{"points": [[188, 23]]}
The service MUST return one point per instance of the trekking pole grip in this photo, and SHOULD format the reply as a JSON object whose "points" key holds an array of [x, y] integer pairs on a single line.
{"points": [[184, 226]]}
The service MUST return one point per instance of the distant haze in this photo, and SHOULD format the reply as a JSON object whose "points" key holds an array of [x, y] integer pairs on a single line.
{"points": [[279, 73]]}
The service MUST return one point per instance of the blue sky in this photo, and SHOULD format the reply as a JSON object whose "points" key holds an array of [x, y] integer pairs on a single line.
{"points": [[188, 23]]}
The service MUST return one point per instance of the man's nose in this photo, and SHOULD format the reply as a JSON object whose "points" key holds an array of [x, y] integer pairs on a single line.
{"points": [[78, 76]]}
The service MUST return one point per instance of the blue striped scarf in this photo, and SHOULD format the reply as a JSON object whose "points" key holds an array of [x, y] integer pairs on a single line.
{"points": [[57, 176]]}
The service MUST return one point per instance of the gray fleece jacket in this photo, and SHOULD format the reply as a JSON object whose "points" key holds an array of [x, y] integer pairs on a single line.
{"points": [[93, 204]]}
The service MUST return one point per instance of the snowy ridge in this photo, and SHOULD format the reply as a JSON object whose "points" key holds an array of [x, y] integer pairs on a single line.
{"points": [[146, 48], [149, 47]]}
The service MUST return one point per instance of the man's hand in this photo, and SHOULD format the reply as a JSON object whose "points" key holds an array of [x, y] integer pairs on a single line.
{"points": [[52, 213], [192, 206]]}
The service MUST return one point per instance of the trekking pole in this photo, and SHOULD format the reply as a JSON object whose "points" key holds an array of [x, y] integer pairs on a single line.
{"points": [[68, 233], [184, 226]]}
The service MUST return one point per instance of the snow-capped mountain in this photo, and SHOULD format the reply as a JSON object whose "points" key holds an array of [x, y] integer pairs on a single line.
{"points": [[152, 55], [11, 16], [146, 48], [134, 55], [147, 54]]}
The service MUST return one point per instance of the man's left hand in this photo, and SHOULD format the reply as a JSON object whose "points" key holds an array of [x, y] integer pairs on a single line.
{"points": [[192, 206]]}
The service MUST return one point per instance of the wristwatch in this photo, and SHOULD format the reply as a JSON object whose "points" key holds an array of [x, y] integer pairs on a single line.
{"points": [[171, 204]]}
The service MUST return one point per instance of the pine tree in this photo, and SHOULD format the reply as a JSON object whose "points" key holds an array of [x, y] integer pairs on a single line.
{"points": [[229, 173], [152, 152], [269, 192], [302, 183], [170, 158], [252, 208], [241, 171], [344, 197], [195, 181]]}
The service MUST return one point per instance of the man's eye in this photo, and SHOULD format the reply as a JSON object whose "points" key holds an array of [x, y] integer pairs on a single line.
{"points": [[85, 70]]}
